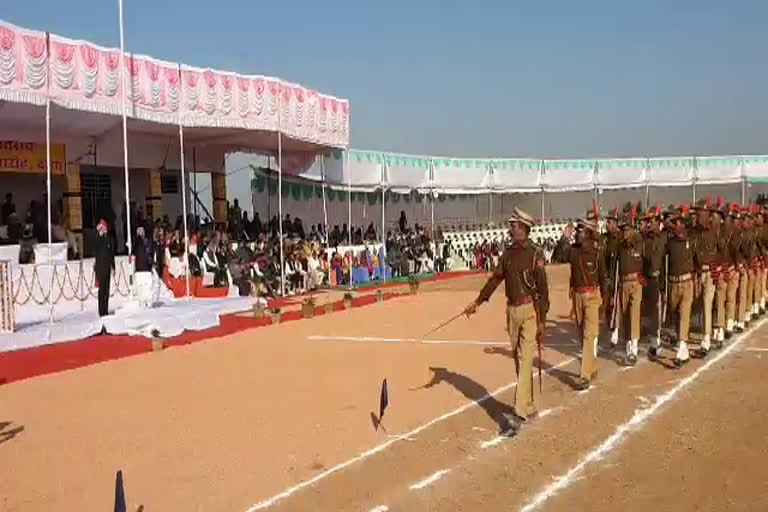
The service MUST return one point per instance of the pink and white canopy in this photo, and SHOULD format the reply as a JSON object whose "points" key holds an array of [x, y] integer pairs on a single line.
{"points": [[215, 107]]}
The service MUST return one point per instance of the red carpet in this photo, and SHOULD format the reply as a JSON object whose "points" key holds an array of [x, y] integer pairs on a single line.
{"points": [[24, 364]]}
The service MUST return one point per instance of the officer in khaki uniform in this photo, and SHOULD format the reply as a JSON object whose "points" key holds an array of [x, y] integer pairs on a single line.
{"points": [[631, 291], [732, 234], [743, 254], [611, 241], [586, 259], [757, 265], [681, 268], [654, 251], [703, 242], [521, 268], [720, 271]]}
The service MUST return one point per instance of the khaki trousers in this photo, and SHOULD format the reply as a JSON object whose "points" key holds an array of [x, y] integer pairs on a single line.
{"points": [[680, 301], [521, 322], [631, 297], [757, 292], [708, 297], [586, 306], [743, 284], [750, 289], [732, 294], [721, 294]]}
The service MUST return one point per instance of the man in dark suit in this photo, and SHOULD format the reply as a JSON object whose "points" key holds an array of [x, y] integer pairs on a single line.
{"points": [[104, 265]]}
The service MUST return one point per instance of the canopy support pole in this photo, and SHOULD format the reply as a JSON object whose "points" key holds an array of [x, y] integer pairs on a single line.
{"points": [[128, 241], [48, 194], [542, 205], [743, 190], [325, 218], [184, 202], [349, 216], [280, 199]]}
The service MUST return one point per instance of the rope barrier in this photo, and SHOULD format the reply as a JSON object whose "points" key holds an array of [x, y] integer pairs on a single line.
{"points": [[29, 288]]}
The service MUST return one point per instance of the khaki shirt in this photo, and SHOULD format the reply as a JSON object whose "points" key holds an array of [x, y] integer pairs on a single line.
{"points": [[654, 249], [680, 256], [703, 243], [586, 262], [631, 255], [521, 267]]}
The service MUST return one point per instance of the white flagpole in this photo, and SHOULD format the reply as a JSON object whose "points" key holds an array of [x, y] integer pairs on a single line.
{"points": [[183, 186], [325, 220], [280, 192], [48, 188], [349, 218], [128, 240]]}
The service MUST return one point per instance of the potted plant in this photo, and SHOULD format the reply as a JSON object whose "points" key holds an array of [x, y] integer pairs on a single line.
{"points": [[308, 307], [380, 296], [275, 314], [157, 341], [413, 283], [348, 300]]}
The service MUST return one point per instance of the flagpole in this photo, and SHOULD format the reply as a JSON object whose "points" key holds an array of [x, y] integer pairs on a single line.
{"points": [[280, 190], [128, 240], [325, 219], [48, 185], [184, 186], [349, 217]]}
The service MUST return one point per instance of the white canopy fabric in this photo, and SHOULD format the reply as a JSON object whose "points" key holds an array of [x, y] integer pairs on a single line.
{"points": [[517, 175], [568, 175], [755, 167], [718, 169], [621, 173], [461, 175], [670, 171], [404, 172]]}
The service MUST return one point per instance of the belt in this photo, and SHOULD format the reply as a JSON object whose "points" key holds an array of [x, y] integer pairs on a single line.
{"points": [[586, 289], [519, 301], [656, 273], [680, 278], [628, 278]]}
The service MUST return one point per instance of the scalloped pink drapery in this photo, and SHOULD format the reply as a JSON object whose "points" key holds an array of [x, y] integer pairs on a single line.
{"points": [[83, 76]]}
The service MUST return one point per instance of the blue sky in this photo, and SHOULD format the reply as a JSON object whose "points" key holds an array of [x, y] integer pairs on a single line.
{"points": [[483, 78]]}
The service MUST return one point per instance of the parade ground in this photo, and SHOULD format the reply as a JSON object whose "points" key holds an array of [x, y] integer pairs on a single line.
{"points": [[286, 418]]}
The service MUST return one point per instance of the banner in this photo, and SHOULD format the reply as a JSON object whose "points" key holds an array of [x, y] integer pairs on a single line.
{"points": [[30, 157]]}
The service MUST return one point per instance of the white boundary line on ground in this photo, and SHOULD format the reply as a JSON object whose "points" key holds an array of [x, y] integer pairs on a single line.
{"points": [[434, 477], [756, 349], [406, 340], [635, 422], [383, 446]]}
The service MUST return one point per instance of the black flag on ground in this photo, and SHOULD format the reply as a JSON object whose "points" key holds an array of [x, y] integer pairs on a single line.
{"points": [[119, 493], [383, 400]]}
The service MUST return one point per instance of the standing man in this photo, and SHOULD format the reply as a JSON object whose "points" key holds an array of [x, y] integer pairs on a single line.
{"points": [[703, 241], [732, 234], [681, 267], [631, 275], [104, 264], [757, 263], [721, 273], [521, 268], [587, 274], [610, 242], [654, 257]]}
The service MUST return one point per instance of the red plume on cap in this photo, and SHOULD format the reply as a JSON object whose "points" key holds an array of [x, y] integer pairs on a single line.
{"points": [[633, 215], [709, 200], [658, 211], [719, 201], [685, 209], [616, 211], [595, 209]]}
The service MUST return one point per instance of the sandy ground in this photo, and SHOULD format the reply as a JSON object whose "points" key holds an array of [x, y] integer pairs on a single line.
{"points": [[282, 418]]}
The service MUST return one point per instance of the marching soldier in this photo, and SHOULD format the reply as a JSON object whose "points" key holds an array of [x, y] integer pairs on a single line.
{"points": [[703, 244], [681, 268], [610, 242], [758, 266], [740, 289], [654, 252], [730, 234], [721, 273], [521, 268], [587, 274], [747, 281], [764, 239], [630, 257]]}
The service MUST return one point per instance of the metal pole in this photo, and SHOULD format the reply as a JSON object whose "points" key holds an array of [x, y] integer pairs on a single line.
{"points": [[128, 240], [743, 191], [48, 192], [194, 178], [647, 193], [325, 219], [349, 217], [280, 195], [542, 205], [184, 200]]}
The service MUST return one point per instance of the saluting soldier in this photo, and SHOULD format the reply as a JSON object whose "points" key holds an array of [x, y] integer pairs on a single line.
{"points": [[703, 242], [521, 268], [631, 292], [720, 271], [610, 242], [586, 259], [654, 251], [680, 281]]}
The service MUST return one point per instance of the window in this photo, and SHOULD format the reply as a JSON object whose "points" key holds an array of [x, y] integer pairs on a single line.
{"points": [[97, 198], [169, 184]]}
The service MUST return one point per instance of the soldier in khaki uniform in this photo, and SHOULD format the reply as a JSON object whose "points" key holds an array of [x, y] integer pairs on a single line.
{"points": [[586, 259], [757, 263], [611, 241], [521, 268], [743, 254], [631, 291], [720, 271], [681, 268], [703, 242], [654, 251], [732, 234]]}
